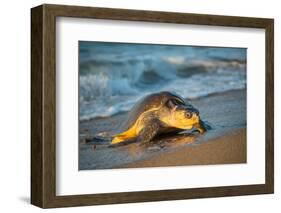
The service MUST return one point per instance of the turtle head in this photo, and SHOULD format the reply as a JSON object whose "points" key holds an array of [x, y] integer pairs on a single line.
{"points": [[180, 114]]}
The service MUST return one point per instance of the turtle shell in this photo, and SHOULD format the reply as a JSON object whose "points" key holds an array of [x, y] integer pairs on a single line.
{"points": [[144, 104]]}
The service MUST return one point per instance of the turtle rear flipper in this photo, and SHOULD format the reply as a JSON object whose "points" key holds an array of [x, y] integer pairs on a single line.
{"points": [[98, 140], [123, 143]]}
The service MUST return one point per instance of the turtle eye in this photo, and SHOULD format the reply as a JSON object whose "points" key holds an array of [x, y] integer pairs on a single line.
{"points": [[188, 114]]}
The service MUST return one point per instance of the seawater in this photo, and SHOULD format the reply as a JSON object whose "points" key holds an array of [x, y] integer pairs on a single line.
{"points": [[113, 76]]}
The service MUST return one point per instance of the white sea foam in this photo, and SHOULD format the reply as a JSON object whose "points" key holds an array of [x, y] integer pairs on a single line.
{"points": [[113, 77]]}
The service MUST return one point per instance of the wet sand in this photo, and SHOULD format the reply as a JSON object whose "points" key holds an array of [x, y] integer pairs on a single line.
{"points": [[229, 148], [224, 144]]}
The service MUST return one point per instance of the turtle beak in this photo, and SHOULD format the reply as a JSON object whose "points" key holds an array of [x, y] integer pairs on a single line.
{"points": [[202, 127]]}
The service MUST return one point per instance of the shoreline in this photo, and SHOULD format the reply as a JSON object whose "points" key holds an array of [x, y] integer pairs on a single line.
{"points": [[225, 143]]}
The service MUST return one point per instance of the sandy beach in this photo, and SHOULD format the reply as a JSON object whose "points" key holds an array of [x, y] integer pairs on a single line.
{"points": [[225, 143]]}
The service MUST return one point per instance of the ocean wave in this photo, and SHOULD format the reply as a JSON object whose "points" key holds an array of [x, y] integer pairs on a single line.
{"points": [[104, 95], [112, 81]]}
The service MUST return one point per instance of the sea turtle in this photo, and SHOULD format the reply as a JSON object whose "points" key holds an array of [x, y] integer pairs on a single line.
{"points": [[158, 113]]}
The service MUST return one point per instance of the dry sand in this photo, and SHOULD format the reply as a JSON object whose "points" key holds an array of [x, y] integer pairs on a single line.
{"points": [[224, 144]]}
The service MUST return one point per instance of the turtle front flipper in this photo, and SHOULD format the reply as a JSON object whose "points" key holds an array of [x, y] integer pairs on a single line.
{"points": [[202, 126], [150, 130]]}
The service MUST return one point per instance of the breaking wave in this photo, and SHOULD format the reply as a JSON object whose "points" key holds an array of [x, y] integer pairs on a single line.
{"points": [[113, 77]]}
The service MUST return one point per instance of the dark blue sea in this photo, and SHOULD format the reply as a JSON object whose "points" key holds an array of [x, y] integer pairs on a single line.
{"points": [[113, 76]]}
